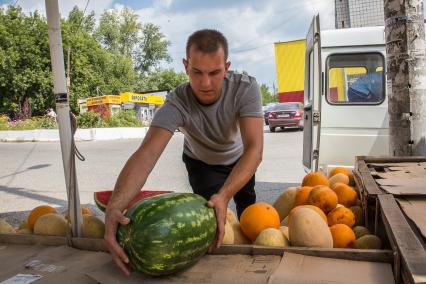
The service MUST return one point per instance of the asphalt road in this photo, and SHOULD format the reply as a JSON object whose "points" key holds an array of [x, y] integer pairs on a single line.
{"points": [[31, 173]]}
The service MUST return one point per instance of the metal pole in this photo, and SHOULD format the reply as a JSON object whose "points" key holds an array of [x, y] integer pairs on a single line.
{"points": [[63, 111]]}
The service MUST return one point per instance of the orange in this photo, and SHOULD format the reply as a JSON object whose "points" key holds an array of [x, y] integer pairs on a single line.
{"points": [[257, 217], [343, 236], [346, 195], [323, 197], [314, 179], [341, 215], [302, 196]]}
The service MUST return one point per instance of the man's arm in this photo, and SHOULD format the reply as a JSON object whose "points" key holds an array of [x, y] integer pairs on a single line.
{"points": [[131, 179], [252, 135]]}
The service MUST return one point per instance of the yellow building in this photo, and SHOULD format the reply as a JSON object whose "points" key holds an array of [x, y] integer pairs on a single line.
{"points": [[290, 68], [144, 104]]}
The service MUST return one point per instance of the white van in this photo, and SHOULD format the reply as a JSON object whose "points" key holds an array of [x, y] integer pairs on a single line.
{"points": [[345, 96]]}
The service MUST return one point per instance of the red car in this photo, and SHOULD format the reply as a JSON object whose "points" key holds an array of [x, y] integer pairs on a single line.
{"points": [[286, 115]]}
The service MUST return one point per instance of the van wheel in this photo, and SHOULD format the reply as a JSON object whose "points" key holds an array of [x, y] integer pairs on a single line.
{"points": [[272, 129], [301, 128]]}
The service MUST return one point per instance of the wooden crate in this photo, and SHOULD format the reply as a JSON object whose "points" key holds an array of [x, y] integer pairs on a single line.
{"points": [[385, 218]]}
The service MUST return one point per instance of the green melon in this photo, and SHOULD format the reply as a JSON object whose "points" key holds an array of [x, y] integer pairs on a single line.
{"points": [[368, 242], [167, 233], [360, 231]]}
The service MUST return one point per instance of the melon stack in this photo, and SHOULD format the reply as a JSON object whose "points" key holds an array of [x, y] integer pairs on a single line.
{"points": [[323, 212], [45, 220]]}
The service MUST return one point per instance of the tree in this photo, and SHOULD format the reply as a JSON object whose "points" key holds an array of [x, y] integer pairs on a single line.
{"points": [[79, 21], [406, 71], [93, 67], [25, 77], [267, 97], [161, 80], [152, 49], [118, 31]]}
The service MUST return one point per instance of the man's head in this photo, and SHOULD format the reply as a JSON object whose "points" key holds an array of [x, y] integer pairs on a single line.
{"points": [[206, 64]]}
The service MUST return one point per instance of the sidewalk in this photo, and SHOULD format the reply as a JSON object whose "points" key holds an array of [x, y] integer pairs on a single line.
{"points": [[80, 135]]}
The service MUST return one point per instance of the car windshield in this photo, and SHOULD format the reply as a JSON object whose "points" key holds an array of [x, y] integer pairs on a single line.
{"points": [[286, 107]]}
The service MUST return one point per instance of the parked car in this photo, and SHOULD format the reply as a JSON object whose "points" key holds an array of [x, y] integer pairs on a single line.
{"points": [[286, 115], [266, 111]]}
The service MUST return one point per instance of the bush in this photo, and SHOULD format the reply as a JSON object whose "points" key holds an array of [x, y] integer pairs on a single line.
{"points": [[89, 120], [84, 120], [123, 119], [42, 122]]}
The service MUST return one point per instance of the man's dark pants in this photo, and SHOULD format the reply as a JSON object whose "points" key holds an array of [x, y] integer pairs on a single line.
{"points": [[206, 180]]}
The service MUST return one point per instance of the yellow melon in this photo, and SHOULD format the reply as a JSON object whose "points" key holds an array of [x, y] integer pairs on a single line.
{"points": [[230, 216], [5, 227], [315, 208], [284, 230], [93, 227], [342, 170], [338, 178], [239, 237], [308, 229], [228, 237], [285, 202], [271, 237], [37, 212], [84, 211], [51, 224]]}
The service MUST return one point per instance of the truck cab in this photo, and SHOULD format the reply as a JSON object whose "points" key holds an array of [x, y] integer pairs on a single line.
{"points": [[345, 101]]}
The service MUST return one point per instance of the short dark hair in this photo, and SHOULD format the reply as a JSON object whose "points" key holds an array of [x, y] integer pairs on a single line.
{"points": [[207, 41]]}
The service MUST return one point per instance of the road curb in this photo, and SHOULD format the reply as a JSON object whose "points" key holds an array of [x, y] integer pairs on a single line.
{"points": [[89, 134]]}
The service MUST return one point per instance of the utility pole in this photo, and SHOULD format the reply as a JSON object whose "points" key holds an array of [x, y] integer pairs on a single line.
{"points": [[406, 76]]}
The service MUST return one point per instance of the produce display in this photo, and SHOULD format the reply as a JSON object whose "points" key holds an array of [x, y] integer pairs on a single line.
{"points": [[324, 211], [46, 221], [167, 232]]}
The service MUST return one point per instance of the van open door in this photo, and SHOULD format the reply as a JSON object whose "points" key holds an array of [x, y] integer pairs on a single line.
{"points": [[312, 97]]}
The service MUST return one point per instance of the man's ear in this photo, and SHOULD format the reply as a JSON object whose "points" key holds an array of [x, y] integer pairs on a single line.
{"points": [[227, 64], [185, 63]]}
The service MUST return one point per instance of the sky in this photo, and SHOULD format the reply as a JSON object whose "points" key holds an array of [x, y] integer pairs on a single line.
{"points": [[251, 27]]}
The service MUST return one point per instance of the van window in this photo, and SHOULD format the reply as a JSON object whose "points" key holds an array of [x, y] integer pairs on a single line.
{"points": [[355, 79]]}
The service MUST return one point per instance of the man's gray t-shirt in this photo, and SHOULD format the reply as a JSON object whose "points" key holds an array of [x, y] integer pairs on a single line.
{"points": [[212, 132]]}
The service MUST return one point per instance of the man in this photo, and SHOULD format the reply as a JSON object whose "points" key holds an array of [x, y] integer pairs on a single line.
{"points": [[220, 115]]}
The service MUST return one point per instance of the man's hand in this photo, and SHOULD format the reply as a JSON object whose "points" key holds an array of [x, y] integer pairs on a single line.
{"points": [[220, 204], [114, 217]]}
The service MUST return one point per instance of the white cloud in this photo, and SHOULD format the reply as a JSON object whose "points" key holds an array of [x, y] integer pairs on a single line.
{"points": [[251, 30], [98, 6]]}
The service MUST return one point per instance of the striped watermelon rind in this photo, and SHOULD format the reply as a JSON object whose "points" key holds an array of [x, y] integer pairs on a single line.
{"points": [[167, 233]]}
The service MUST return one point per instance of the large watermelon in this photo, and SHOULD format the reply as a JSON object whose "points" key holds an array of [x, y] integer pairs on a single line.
{"points": [[102, 197], [167, 233]]}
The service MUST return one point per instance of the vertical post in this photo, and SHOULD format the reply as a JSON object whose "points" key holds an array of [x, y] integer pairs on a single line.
{"points": [[406, 76], [63, 118]]}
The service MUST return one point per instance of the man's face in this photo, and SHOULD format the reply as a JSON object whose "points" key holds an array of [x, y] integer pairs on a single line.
{"points": [[206, 72]]}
